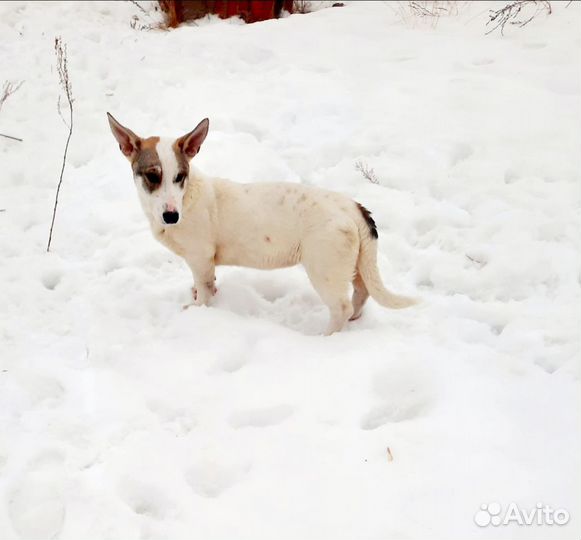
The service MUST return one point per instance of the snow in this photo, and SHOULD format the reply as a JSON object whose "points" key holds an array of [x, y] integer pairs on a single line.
{"points": [[124, 416]]}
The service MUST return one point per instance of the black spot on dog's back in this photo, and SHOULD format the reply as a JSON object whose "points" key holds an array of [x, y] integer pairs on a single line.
{"points": [[369, 220]]}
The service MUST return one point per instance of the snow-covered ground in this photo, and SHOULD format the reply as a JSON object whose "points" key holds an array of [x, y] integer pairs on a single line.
{"points": [[123, 416]]}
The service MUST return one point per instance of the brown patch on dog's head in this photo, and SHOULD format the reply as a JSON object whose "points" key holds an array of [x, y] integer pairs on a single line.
{"points": [[147, 165], [186, 147], [181, 158], [150, 143], [142, 153]]}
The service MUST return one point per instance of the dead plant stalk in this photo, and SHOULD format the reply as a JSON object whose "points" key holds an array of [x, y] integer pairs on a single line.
{"points": [[65, 82]]}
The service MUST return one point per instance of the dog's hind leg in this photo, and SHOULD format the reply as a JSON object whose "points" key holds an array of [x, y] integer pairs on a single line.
{"points": [[335, 294], [360, 296], [330, 260]]}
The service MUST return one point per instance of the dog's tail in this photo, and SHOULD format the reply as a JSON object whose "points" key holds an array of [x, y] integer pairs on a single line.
{"points": [[367, 265]]}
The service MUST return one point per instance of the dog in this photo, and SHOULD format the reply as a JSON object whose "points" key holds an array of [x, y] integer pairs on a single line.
{"points": [[211, 222]]}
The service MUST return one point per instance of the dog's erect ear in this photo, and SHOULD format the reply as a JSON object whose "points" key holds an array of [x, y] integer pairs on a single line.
{"points": [[128, 142], [190, 144]]}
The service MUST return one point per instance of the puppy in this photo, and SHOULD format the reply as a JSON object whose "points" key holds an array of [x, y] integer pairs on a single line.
{"points": [[211, 222]]}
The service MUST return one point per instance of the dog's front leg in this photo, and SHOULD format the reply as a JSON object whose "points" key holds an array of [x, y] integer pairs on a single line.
{"points": [[204, 278]]}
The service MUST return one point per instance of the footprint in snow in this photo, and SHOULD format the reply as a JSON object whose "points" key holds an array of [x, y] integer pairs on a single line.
{"points": [[393, 412], [233, 363], [43, 390], [208, 478], [264, 417], [482, 61], [145, 499], [535, 45], [404, 396], [51, 278], [36, 504], [178, 420], [459, 153]]}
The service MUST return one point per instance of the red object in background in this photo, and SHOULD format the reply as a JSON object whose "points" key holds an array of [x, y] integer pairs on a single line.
{"points": [[179, 11]]}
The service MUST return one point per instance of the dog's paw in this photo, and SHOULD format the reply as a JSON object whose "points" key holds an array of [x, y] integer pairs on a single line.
{"points": [[201, 300]]}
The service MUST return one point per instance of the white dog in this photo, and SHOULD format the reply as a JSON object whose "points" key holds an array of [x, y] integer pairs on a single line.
{"points": [[210, 222]]}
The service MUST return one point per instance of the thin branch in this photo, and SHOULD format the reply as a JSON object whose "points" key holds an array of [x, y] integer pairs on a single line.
{"points": [[63, 72], [60, 111], [510, 13], [10, 137], [9, 89], [140, 7], [366, 171], [477, 262], [137, 24], [426, 9]]}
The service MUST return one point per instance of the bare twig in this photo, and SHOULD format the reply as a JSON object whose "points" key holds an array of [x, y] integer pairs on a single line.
{"points": [[63, 72], [366, 171], [477, 262], [427, 9], [511, 14], [136, 23], [140, 7], [389, 454], [9, 89], [10, 137], [60, 111]]}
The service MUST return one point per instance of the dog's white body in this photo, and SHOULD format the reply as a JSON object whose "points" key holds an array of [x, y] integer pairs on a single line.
{"points": [[262, 225]]}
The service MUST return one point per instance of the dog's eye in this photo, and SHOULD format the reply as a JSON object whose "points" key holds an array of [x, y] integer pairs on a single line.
{"points": [[153, 178], [180, 178]]}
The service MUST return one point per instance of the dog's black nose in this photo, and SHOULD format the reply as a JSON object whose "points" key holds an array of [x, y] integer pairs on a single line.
{"points": [[171, 217]]}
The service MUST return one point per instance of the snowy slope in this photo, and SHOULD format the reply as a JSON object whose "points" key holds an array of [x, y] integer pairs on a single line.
{"points": [[123, 416]]}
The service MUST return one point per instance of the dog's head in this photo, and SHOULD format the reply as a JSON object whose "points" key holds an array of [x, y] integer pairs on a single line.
{"points": [[160, 168]]}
